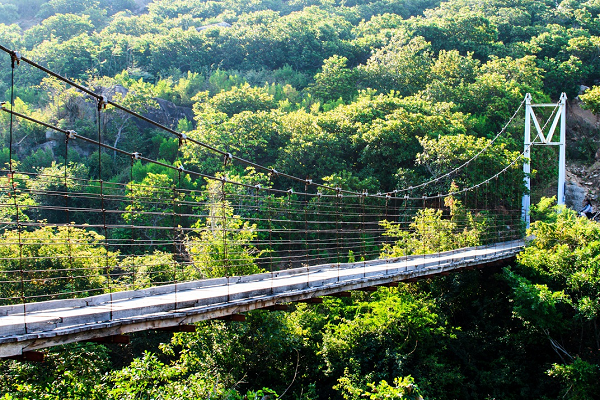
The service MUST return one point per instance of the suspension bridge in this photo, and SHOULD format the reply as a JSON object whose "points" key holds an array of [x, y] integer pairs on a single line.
{"points": [[110, 258]]}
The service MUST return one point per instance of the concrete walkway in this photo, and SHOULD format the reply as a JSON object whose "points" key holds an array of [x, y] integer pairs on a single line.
{"points": [[27, 327]]}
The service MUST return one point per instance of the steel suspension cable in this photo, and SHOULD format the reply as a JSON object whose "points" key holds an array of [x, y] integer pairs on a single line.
{"points": [[469, 161], [338, 191], [15, 61], [102, 102]]}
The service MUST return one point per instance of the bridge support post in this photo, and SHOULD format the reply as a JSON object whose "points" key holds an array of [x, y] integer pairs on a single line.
{"points": [[562, 159], [544, 139], [525, 204]]}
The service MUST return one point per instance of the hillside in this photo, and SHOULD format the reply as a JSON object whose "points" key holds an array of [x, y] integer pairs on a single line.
{"points": [[372, 96]]}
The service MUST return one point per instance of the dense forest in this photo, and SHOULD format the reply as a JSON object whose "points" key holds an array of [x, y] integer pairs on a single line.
{"points": [[365, 95]]}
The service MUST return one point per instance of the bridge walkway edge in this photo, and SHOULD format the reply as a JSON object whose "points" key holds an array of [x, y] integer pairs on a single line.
{"points": [[52, 323]]}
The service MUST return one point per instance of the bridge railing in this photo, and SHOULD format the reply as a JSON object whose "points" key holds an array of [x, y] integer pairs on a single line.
{"points": [[66, 237], [67, 232]]}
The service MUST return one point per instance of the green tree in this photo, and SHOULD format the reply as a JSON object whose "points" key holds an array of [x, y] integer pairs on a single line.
{"points": [[563, 76], [152, 203], [74, 58], [9, 13], [149, 378], [11, 36], [60, 27], [222, 244], [242, 98], [73, 371], [24, 131], [56, 178], [147, 270], [447, 153], [254, 136], [134, 95], [555, 294], [591, 99], [432, 232], [464, 29], [403, 388], [311, 150], [450, 75], [389, 326], [304, 39], [14, 200], [335, 80], [66, 6], [402, 65], [396, 137], [56, 262]]}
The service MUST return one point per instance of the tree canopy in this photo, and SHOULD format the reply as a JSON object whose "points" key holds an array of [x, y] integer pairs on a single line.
{"points": [[371, 96]]}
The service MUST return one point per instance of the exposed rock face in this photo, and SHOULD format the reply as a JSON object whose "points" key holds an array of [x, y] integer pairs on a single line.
{"points": [[167, 114], [217, 25], [583, 179], [84, 108], [574, 195]]}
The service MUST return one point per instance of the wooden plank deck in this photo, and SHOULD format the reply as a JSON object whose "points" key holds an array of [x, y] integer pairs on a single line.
{"points": [[28, 327]]}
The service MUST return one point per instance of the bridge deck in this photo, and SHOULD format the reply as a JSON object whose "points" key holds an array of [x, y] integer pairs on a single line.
{"points": [[27, 327]]}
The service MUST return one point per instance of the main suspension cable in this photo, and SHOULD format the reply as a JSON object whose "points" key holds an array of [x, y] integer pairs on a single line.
{"points": [[102, 101], [135, 155]]}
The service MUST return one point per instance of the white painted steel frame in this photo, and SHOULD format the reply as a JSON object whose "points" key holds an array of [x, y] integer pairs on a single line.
{"points": [[561, 116]]}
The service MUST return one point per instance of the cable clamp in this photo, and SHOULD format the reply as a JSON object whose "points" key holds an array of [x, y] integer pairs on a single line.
{"points": [[224, 179], [228, 157], [136, 155], [406, 197], [101, 103], [290, 191], [309, 181], [15, 57], [388, 196], [257, 186], [319, 194], [3, 105], [181, 168], [182, 139], [71, 135], [274, 171]]}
